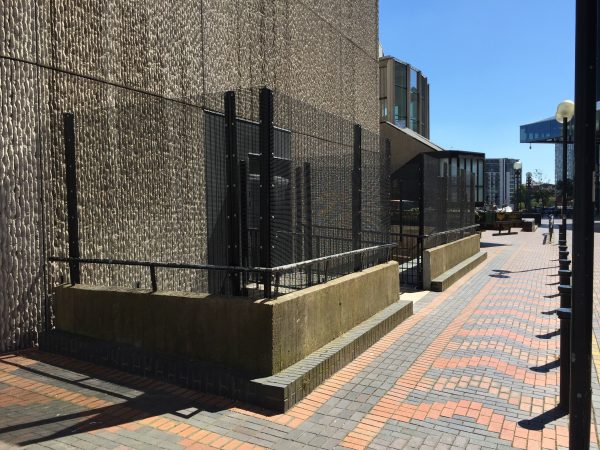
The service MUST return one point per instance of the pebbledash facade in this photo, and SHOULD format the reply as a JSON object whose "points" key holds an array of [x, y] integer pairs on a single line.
{"points": [[132, 73]]}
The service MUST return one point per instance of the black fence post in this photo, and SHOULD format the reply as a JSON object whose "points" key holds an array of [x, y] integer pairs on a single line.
{"points": [[308, 228], [244, 223], [71, 180], [564, 314], [356, 195], [385, 189], [580, 405], [298, 230], [233, 191], [421, 237], [266, 142]]}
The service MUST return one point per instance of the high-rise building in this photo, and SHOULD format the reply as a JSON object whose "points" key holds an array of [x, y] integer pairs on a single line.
{"points": [[499, 181], [403, 95]]}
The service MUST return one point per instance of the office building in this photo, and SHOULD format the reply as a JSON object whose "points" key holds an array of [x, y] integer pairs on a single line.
{"points": [[499, 181]]}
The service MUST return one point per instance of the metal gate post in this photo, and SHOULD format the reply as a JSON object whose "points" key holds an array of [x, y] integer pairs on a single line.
{"points": [[71, 181], [266, 142], [308, 229], [356, 196], [233, 192]]}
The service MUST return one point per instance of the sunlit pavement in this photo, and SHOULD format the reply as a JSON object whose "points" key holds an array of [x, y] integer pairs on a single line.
{"points": [[475, 367]]}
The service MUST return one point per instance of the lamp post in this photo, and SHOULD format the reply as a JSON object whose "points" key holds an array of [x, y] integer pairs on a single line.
{"points": [[564, 114], [517, 166]]}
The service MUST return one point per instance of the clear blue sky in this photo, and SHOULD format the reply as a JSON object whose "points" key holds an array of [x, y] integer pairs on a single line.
{"points": [[492, 65]]}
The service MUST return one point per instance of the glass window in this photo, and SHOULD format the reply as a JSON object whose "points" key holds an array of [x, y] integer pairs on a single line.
{"points": [[400, 74], [383, 81], [383, 108], [400, 106], [413, 79]]}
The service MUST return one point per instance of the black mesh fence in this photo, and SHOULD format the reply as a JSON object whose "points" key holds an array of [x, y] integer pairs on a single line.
{"points": [[209, 196], [432, 203]]}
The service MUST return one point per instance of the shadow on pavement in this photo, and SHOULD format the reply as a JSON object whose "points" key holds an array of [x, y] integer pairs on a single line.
{"points": [[132, 398], [492, 244], [546, 367], [549, 313], [539, 423], [503, 273], [548, 335]]}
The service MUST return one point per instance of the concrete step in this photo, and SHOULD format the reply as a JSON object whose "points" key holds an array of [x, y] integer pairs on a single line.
{"points": [[448, 278]]}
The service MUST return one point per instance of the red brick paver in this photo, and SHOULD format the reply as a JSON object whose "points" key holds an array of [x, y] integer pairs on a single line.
{"points": [[474, 367]]}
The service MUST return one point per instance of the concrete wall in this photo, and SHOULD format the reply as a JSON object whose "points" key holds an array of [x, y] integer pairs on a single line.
{"points": [[141, 153], [438, 260], [258, 337]]}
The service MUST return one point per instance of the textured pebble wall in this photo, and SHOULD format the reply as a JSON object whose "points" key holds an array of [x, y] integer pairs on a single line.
{"points": [[141, 159]]}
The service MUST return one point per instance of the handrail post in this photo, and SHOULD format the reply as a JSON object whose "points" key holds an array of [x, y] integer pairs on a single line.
{"points": [[71, 182], [153, 278]]}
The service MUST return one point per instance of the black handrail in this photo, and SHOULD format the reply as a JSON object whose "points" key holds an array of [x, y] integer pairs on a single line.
{"points": [[152, 265]]}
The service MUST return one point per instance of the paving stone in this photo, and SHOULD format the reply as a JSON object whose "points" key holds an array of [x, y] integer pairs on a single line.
{"points": [[457, 374]]}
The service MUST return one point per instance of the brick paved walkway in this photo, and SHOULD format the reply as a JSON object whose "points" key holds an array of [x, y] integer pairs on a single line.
{"points": [[474, 367]]}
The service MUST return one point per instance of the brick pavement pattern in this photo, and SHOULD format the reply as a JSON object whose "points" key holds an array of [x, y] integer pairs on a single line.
{"points": [[475, 367]]}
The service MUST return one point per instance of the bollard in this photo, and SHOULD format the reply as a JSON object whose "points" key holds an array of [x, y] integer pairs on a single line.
{"points": [[564, 314], [563, 254], [562, 247], [564, 264], [564, 276]]}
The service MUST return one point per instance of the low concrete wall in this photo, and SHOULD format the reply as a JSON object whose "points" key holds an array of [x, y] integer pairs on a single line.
{"points": [[440, 259], [258, 337]]}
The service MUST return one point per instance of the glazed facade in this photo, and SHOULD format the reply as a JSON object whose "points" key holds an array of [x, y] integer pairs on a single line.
{"points": [[403, 96]]}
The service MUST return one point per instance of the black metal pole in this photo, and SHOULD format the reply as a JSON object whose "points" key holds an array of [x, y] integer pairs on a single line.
{"points": [[266, 142], [244, 223], [71, 180], [298, 229], [233, 191], [356, 195], [308, 228], [583, 224], [563, 234], [565, 345]]}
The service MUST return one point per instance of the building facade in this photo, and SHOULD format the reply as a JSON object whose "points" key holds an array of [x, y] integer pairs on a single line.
{"points": [[499, 181], [403, 95], [139, 77]]}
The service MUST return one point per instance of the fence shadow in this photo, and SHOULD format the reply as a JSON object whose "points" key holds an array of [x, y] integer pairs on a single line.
{"points": [[539, 423], [129, 397], [545, 368], [548, 335]]}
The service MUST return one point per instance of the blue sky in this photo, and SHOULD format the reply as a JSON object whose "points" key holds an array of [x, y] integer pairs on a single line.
{"points": [[492, 65]]}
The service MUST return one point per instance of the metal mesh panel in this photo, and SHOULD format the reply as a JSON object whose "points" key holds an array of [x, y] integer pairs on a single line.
{"points": [[140, 180], [447, 197]]}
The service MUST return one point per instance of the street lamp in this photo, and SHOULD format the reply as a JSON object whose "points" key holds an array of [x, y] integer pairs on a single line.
{"points": [[517, 166], [564, 114]]}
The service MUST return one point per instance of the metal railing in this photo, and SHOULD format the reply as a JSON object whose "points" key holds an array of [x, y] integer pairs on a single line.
{"points": [[284, 278]]}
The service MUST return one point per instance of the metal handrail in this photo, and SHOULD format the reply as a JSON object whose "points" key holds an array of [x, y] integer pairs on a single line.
{"points": [[282, 268], [152, 265]]}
